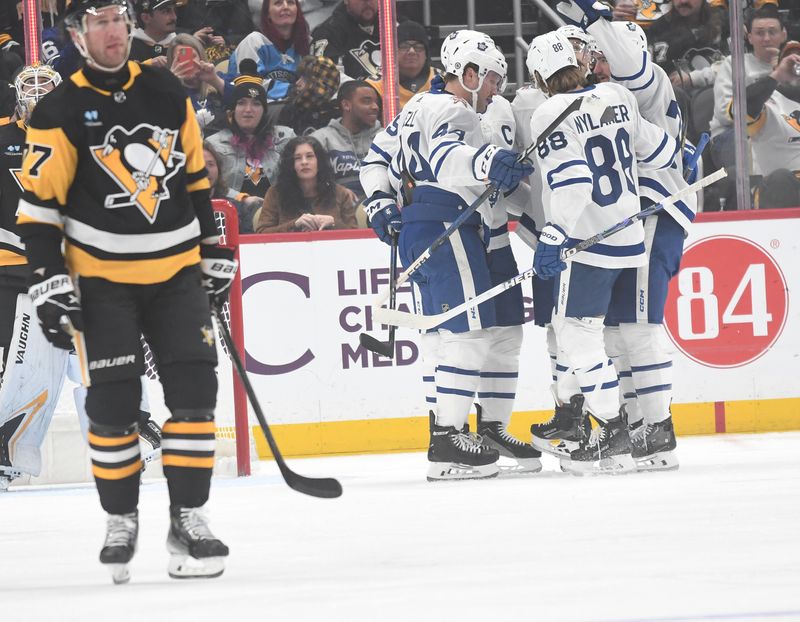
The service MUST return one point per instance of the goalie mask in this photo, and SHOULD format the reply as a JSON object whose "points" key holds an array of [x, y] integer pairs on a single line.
{"points": [[76, 22], [469, 47], [31, 84]]}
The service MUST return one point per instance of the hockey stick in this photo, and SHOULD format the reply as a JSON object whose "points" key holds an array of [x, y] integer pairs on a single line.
{"points": [[385, 348], [426, 322], [490, 190], [695, 157], [324, 487]]}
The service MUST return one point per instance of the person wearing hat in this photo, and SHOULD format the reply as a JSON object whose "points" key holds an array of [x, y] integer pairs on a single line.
{"points": [[311, 104], [251, 148], [157, 23], [413, 62]]}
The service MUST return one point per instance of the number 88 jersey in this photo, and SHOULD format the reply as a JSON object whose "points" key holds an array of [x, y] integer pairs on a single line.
{"points": [[589, 168]]}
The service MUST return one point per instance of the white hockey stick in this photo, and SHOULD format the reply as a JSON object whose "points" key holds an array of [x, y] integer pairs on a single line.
{"points": [[393, 317]]}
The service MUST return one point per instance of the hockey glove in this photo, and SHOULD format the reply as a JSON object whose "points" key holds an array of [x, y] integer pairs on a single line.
{"points": [[547, 261], [219, 269], [500, 166], [56, 300], [691, 157], [591, 11], [384, 216]]}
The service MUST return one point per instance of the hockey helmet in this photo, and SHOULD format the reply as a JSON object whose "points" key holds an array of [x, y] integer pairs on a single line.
{"points": [[31, 84], [75, 21], [464, 47], [549, 53], [571, 31]]}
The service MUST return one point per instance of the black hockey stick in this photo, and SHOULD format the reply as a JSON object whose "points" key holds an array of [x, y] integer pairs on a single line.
{"points": [[324, 487], [385, 348]]}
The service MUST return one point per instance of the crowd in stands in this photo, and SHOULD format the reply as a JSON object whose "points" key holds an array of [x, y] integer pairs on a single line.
{"points": [[288, 111]]}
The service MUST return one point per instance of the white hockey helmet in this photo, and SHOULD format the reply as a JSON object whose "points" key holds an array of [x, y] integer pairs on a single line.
{"points": [[632, 32], [463, 47], [573, 32], [549, 53], [31, 84]]}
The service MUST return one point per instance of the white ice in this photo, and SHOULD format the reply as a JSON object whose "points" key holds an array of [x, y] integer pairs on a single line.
{"points": [[717, 540]]}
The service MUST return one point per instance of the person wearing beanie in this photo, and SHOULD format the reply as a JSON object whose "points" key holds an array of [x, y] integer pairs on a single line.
{"points": [[311, 105], [250, 149], [413, 62]]}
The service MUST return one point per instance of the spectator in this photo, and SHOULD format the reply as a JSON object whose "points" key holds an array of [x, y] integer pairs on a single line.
{"points": [[10, 59], [250, 149], [347, 140], [305, 196], [156, 31], [774, 128], [228, 19], [413, 62], [310, 105], [186, 58], [644, 13], [351, 37], [766, 34], [277, 48], [245, 205]]}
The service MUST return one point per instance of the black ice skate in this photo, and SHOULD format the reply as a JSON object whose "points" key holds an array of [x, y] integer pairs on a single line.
{"points": [[150, 434], [523, 458], [565, 430], [606, 450], [457, 454], [122, 531], [7, 472], [653, 446], [194, 551]]}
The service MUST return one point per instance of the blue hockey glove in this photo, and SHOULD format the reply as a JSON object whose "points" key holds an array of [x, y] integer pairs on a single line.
{"points": [[55, 300], [691, 157], [500, 166], [581, 13], [547, 261], [383, 215]]}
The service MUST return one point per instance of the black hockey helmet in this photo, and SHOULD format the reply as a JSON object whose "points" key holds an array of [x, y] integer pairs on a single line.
{"points": [[78, 9]]}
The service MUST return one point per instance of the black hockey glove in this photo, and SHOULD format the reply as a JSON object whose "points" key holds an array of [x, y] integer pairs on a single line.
{"points": [[55, 300], [219, 268]]}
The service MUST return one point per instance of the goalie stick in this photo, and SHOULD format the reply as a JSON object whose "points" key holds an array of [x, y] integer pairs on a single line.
{"points": [[385, 348], [426, 322], [490, 190], [324, 487]]}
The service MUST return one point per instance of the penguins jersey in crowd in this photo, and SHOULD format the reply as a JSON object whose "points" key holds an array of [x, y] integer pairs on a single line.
{"points": [[115, 161], [435, 139], [589, 167], [634, 69], [12, 146], [775, 133]]}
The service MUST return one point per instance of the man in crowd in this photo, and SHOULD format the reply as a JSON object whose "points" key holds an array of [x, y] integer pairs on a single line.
{"points": [[157, 24], [351, 34]]}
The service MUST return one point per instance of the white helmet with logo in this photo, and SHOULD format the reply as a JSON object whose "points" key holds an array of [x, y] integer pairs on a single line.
{"points": [[464, 47], [549, 53], [31, 84], [573, 32]]}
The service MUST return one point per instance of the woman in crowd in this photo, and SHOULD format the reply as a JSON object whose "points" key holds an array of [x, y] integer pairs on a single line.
{"points": [[245, 205], [250, 149], [186, 58], [305, 196], [277, 48]]}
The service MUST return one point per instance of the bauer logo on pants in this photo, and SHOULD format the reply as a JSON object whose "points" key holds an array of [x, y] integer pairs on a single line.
{"points": [[141, 162]]}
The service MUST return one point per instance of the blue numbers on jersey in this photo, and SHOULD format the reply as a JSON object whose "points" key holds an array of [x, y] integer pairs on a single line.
{"points": [[418, 166], [445, 129], [602, 154], [554, 142]]}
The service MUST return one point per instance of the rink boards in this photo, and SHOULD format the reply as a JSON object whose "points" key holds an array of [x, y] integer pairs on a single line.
{"points": [[306, 298]]}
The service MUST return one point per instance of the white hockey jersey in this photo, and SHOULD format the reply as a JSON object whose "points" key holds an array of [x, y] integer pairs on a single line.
{"points": [[434, 139], [775, 135], [655, 96], [590, 169]]}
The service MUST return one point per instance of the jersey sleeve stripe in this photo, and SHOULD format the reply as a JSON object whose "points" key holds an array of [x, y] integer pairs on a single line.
{"points": [[645, 85], [200, 184], [439, 164], [131, 243], [30, 213], [380, 152], [570, 182], [647, 182], [658, 150], [635, 75], [562, 167]]}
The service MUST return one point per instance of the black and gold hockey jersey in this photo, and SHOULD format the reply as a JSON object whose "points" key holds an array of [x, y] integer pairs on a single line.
{"points": [[115, 161], [12, 145]]}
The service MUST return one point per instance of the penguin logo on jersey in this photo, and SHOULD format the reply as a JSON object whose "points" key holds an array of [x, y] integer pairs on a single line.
{"points": [[141, 162], [368, 55], [793, 120]]}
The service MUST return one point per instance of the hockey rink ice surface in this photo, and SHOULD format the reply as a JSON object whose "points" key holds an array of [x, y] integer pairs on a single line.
{"points": [[718, 540]]}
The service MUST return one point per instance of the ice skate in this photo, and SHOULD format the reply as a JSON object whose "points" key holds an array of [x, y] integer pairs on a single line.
{"points": [[455, 454], [194, 551], [606, 451], [7, 473], [653, 446], [150, 435], [520, 457], [122, 531], [565, 430]]}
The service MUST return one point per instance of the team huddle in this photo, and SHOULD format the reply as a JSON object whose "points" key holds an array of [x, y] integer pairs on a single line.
{"points": [[603, 149]]}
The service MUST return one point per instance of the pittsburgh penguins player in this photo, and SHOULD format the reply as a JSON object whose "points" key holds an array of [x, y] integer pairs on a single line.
{"points": [[122, 183]]}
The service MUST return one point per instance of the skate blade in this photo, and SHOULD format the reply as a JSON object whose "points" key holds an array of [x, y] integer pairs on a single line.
{"points": [[182, 566], [120, 573], [613, 465], [441, 471], [557, 447], [518, 466], [659, 461]]}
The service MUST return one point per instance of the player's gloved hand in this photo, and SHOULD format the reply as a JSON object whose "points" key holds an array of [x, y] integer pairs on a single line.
{"points": [[384, 216], [689, 163], [592, 11], [219, 268], [547, 261], [56, 300], [500, 166]]}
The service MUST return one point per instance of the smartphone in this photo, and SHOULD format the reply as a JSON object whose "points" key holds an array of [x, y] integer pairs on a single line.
{"points": [[184, 54]]}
